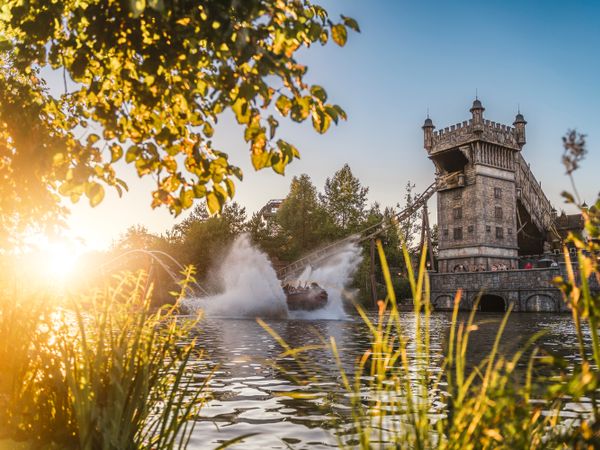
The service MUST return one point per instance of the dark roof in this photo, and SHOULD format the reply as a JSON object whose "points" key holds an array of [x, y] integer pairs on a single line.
{"points": [[569, 222], [519, 119], [477, 105], [428, 123]]}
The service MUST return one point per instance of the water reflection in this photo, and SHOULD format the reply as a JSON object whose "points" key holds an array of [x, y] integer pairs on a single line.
{"points": [[301, 405]]}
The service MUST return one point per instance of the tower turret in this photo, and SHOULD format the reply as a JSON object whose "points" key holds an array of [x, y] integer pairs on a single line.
{"points": [[477, 111], [519, 124], [428, 128]]}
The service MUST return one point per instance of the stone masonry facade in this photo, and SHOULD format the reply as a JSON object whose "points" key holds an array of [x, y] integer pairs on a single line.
{"points": [[488, 204]]}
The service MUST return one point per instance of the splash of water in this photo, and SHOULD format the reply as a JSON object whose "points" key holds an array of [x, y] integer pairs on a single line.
{"points": [[250, 287], [333, 275]]}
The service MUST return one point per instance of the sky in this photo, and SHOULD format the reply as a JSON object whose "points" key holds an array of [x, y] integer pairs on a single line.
{"points": [[412, 57]]}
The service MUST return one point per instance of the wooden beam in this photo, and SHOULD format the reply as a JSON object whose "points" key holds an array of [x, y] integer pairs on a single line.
{"points": [[372, 275]]}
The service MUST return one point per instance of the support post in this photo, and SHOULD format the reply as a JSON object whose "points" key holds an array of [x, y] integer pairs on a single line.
{"points": [[372, 275], [428, 236]]}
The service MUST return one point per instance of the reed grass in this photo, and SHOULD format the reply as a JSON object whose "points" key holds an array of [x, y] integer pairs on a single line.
{"points": [[489, 405], [403, 395], [108, 372]]}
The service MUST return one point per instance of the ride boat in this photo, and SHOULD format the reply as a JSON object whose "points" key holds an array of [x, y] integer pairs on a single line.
{"points": [[307, 297]]}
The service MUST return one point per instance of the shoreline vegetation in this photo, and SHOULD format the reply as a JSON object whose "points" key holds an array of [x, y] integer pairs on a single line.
{"points": [[104, 365], [108, 371]]}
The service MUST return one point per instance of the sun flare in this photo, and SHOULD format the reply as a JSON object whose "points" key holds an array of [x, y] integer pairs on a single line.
{"points": [[59, 260]]}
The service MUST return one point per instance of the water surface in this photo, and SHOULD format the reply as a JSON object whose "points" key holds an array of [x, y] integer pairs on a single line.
{"points": [[254, 395]]}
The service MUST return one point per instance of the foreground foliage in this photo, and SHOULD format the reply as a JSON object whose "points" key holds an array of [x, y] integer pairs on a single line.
{"points": [[500, 402], [116, 376], [146, 82]]}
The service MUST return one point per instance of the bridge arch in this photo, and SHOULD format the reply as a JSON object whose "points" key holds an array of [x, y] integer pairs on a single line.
{"points": [[492, 303], [541, 303], [443, 303]]}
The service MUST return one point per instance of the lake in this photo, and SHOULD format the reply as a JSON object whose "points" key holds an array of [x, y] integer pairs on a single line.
{"points": [[255, 393]]}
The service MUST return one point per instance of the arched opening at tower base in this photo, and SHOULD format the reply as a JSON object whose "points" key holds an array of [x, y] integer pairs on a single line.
{"points": [[492, 303]]}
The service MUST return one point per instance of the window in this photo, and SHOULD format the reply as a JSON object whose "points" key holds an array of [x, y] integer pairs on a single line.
{"points": [[499, 233], [498, 213], [497, 193], [458, 234], [457, 194], [510, 231], [457, 213], [445, 232], [488, 229], [470, 229]]}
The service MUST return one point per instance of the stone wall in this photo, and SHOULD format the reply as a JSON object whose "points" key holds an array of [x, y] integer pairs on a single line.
{"points": [[527, 290], [486, 221]]}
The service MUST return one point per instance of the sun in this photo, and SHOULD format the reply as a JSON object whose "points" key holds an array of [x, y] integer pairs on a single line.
{"points": [[55, 260], [60, 259]]}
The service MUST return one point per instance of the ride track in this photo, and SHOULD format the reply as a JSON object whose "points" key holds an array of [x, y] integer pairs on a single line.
{"points": [[370, 232]]}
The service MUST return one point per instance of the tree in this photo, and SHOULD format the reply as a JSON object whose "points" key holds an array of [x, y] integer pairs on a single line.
{"points": [[202, 238], [137, 237], [345, 199], [302, 220], [410, 227], [151, 78]]}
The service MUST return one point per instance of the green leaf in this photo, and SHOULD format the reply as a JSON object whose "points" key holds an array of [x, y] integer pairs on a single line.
{"points": [[278, 162], [331, 112], [208, 130], [92, 139], [230, 185], [116, 152], [95, 193], [301, 109], [212, 202], [186, 197], [199, 190], [320, 121], [341, 112], [242, 110], [260, 160], [351, 23], [568, 197], [319, 92], [283, 104], [339, 34], [273, 124], [132, 153]]}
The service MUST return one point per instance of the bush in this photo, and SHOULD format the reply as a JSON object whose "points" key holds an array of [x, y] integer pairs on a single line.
{"points": [[106, 374]]}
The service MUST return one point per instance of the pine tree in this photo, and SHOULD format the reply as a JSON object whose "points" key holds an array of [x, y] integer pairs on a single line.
{"points": [[345, 199]]}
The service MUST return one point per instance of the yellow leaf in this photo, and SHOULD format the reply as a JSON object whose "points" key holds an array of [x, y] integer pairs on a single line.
{"points": [[212, 202], [339, 34]]}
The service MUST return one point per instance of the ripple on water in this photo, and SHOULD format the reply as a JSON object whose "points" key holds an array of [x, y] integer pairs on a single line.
{"points": [[253, 395]]}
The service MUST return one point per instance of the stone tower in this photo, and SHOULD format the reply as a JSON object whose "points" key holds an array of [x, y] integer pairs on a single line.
{"points": [[476, 165]]}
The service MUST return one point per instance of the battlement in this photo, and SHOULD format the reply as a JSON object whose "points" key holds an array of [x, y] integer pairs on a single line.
{"points": [[475, 129], [466, 132]]}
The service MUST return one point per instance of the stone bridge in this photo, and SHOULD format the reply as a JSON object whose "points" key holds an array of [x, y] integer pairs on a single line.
{"points": [[526, 290]]}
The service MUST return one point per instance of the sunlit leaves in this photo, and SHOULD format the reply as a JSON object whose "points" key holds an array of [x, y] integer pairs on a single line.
{"points": [[283, 104], [351, 23], [153, 80], [339, 34], [95, 193], [212, 202]]}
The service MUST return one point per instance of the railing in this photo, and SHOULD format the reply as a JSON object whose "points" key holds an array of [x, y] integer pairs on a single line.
{"points": [[532, 196], [368, 233]]}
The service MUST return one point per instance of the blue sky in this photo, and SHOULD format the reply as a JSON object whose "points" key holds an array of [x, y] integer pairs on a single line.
{"points": [[410, 56]]}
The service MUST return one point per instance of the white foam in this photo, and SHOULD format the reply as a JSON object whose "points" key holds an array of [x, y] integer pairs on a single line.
{"points": [[334, 275], [251, 288]]}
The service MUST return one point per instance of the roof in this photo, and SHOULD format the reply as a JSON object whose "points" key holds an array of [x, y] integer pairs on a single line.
{"points": [[569, 222]]}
